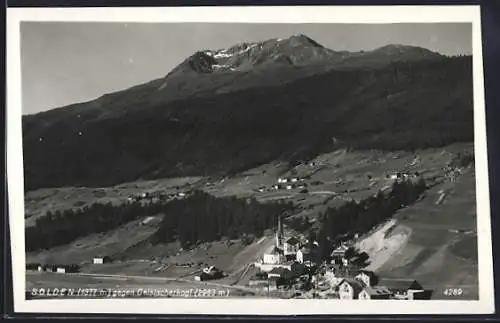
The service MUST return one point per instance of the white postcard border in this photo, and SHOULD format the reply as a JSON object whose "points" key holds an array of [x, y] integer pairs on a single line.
{"points": [[306, 14]]}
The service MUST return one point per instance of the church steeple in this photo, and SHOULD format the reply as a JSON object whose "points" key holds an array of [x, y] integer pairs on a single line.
{"points": [[279, 233]]}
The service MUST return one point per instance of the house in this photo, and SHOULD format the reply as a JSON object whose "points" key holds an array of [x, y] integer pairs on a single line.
{"points": [[258, 282], [101, 260], [294, 180], [280, 272], [349, 288], [291, 246], [273, 258], [272, 284], [210, 273], [32, 266], [61, 270], [289, 187], [332, 279], [303, 255], [375, 292], [292, 266], [403, 288], [339, 252], [264, 284], [261, 281], [258, 279], [181, 194], [147, 220], [276, 187], [283, 180], [367, 277]]}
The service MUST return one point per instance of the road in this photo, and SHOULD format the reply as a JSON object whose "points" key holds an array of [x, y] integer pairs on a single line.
{"points": [[323, 192], [164, 280]]}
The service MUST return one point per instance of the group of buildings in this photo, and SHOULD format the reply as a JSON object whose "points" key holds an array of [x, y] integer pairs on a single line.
{"points": [[403, 175], [53, 268], [365, 285], [294, 261], [157, 196], [291, 257], [287, 183], [65, 268]]}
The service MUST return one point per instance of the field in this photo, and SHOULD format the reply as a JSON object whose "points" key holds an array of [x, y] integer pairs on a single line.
{"points": [[433, 243]]}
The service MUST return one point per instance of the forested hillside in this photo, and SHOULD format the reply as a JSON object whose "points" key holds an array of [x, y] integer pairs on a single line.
{"points": [[197, 218], [405, 105]]}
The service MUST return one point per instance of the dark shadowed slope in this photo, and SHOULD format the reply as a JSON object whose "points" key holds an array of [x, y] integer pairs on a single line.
{"points": [[404, 106]]}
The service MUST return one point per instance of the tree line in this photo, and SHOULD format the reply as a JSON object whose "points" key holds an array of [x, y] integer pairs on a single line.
{"points": [[208, 218], [199, 217]]}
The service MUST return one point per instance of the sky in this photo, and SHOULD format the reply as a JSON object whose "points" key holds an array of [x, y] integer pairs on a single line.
{"points": [[69, 62]]}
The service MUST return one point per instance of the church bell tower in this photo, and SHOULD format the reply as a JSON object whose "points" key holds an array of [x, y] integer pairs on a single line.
{"points": [[279, 234]]}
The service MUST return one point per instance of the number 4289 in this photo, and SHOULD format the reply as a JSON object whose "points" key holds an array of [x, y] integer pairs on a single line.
{"points": [[452, 292]]}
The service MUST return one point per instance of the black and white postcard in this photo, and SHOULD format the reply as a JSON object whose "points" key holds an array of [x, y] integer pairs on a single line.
{"points": [[257, 160]]}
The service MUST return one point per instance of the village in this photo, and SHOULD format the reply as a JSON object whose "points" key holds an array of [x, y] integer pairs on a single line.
{"points": [[294, 265]]}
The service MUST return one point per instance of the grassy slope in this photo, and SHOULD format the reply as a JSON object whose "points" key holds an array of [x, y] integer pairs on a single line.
{"points": [[429, 247]]}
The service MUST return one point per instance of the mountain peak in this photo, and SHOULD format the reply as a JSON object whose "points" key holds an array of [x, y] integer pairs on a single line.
{"points": [[302, 40]]}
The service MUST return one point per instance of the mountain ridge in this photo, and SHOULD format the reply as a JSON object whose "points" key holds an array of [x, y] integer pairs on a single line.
{"points": [[299, 55]]}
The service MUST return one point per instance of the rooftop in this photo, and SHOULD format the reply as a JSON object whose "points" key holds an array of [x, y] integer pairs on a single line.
{"points": [[293, 241], [399, 284], [378, 290], [279, 271]]}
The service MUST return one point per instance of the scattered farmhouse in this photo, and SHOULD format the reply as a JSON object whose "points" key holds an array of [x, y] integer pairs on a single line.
{"points": [[209, 273], [147, 220], [99, 260]]}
